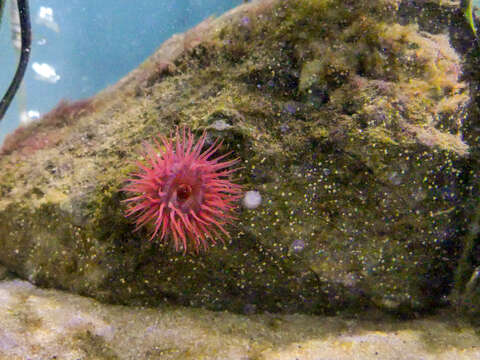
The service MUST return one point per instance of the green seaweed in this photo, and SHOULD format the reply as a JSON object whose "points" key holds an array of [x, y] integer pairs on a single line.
{"points": [[467, 9]]}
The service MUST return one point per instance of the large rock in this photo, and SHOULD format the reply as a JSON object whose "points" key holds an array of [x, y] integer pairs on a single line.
{"points": [[466, 294], [348, 119]]}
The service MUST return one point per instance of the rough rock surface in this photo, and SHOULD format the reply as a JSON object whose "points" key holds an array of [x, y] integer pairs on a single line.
{"points": [[348, 118], [50, 324], [466, 294]]}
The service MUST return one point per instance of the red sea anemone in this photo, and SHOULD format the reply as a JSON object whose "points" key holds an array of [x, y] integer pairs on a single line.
{"points": [[182, 192]]}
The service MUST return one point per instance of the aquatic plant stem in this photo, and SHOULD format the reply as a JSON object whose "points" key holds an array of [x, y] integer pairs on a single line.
{"points": [[24, 56]]}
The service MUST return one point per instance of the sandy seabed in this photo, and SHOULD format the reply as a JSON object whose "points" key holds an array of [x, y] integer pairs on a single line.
{"points": [[51, 324]]}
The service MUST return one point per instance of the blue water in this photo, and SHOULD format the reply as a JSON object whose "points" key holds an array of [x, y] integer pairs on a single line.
{"points": [[98, 43]]}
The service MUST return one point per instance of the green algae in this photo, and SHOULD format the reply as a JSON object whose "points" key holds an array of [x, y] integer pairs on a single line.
{"points": [[467, 9]]}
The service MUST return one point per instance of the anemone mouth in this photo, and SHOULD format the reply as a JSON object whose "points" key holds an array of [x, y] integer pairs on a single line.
{"points": [[187, 197], [184, 191]]}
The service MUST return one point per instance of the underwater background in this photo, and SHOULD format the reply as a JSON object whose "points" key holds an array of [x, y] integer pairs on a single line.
{"points": [[90, 45]]}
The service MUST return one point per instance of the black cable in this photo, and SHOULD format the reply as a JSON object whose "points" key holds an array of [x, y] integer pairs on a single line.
{"points": [[24, 55], [2, 2]]}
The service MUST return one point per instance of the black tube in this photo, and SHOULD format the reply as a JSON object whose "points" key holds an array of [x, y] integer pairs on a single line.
{"points": [[24, 55], [2, 3]]}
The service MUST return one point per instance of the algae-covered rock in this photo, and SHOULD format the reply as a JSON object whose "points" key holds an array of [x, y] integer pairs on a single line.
{"points": [[466, 294], [348, 122]]}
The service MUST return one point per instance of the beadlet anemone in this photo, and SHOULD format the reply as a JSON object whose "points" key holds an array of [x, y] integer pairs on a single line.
{"points": [[183, 193]]}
